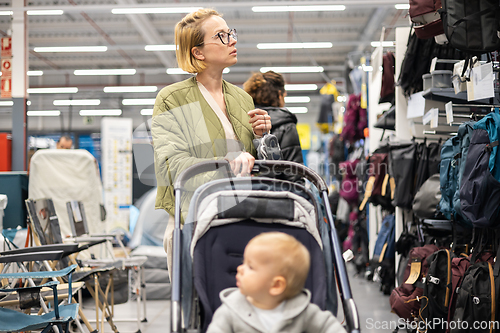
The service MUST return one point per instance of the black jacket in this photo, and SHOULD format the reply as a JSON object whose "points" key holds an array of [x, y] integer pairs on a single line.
{"points": [[283, 125]]}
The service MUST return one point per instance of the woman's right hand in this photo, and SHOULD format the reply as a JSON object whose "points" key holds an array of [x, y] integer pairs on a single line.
{"points": [[241, 163]]}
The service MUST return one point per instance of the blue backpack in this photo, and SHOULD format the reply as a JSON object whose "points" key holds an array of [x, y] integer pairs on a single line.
{"points": [[448, 175], [386, 239], [464, 136], [480, 187]]}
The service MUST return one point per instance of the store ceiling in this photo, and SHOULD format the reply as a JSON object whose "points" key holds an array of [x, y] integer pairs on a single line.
{"points": [[91, 23]]}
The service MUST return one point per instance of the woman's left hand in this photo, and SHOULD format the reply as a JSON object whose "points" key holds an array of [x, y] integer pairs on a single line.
{"points": [[260, 120]]}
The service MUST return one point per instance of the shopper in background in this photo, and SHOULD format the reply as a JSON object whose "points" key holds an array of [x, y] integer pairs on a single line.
{"points": [[64, 142], [203, 117], [268, 93]]}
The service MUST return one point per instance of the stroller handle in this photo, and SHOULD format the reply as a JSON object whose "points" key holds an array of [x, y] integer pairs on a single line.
{"points": [[259, 165]]}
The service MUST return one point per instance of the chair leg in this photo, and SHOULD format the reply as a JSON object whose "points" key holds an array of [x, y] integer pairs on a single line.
{"points": [[103, 306]]}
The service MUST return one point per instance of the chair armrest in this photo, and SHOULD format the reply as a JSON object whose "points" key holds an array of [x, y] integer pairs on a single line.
{"points": [[31, 256], [41, 275]]}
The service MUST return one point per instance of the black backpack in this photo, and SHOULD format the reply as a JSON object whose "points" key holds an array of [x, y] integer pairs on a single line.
{"points": [[402, 169], [437, 290], [476, 299]]}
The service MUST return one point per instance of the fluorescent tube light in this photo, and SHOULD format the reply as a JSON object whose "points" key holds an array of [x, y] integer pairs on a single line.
{"points": [[109, 112], [46, 113], [45, 12], [298, 87], [147, 112], [270, 9], [341, 99], [402, 6], [6, 103], [68, 102], [384, 44], [161, 10], [274, 46], [367, 68], [139, 101], [129, 71], [71, 49], [297, 99], [35, 73], [130, 89], [173, 71], [302, 69], [5, 12], [159, 47], [61, 90], [298, 109]]}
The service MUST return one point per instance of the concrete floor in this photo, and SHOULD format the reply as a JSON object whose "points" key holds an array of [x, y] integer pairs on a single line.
{"points": [[373, 306]]}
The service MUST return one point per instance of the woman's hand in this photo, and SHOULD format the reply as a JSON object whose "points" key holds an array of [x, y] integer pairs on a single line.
{"points": [[260, 120], [241, 163]]}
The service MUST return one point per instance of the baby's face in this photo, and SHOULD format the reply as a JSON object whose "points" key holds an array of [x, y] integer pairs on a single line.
{"points": [[255, 276]]}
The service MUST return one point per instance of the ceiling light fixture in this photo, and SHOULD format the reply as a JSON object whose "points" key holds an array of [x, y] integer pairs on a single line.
{"points": [[300, 87], [130, 89], [61, 90], [6, 103], [297, 99], [402, 6], [129, 71], [71, 49], [5, 12], [68, 102], [298, 109], [46, 113], [276, 46], [45, 12], [270, 9], [386, 43], [173, 71], [35, 73], [147, 112], [109, 112], [138, 101], [159, 47], [301, 69], [161, 10]]}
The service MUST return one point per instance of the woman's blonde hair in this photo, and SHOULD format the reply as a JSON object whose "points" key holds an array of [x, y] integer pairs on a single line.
{"points": [[188, 34]]}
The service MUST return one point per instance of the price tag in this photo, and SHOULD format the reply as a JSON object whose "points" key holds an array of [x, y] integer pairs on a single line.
{"points": [[427, 117], [414, 271], [449, 112], [483, 82], [433, 64], [413, 130], [434, 117]]}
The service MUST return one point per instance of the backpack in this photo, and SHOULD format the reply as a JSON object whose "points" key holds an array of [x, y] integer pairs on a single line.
{"points": [[428, 162], [437, 289], [405, 299], [476, 298], [349, 186], [464, 136], [336, 152], [387, 89], [377, 173], [427, 198], [424, 13], [355, 119], [459, 266], [471, 26], [402, 161], [448, 175], [480, 188], [384, 254]]}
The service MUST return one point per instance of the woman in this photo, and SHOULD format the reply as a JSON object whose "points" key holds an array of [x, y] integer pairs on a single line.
{"points": [[268, 93], [203, 117]]}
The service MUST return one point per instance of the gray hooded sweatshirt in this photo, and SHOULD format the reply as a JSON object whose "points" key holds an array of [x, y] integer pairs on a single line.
{"points": [[299, 316]]}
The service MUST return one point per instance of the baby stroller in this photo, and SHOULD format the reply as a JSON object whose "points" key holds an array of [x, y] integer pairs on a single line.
{"points": [[226, 213]]}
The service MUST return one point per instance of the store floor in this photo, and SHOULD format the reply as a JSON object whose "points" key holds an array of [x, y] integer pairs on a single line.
{"points": [[373, 306]]}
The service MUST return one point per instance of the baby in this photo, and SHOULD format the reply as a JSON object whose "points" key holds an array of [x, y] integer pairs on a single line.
{"points": [[270, 296]]}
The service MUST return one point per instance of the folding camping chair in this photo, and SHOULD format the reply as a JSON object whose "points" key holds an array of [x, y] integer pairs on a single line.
{"points": [[45, 226], [134, 265], [34, 295]]}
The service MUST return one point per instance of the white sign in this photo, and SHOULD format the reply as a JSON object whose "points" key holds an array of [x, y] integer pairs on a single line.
{"points": [[482, 82], [416, 105], [449, 112], [434, 117], [116, 156]]}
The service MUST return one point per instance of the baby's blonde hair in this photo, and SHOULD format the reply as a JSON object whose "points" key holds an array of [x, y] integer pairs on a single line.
{"points": [[188, 34], [288, 256]]}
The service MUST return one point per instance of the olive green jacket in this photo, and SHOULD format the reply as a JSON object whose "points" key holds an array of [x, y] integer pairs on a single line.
{"points": [[187, 131]]}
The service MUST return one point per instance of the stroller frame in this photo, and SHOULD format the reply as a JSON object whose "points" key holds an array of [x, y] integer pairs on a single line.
{"points": [[349, 307]]}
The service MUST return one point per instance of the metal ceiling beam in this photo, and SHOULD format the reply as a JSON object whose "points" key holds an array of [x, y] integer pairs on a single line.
{"points": [[238, 4], [151, 36], [371, 28]]}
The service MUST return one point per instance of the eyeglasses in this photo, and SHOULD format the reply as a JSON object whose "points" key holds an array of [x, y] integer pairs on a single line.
{"points": [[225, 37]]}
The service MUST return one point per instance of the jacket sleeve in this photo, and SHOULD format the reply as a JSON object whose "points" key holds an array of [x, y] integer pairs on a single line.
{"points": [[221, 321], [322, 321]]}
